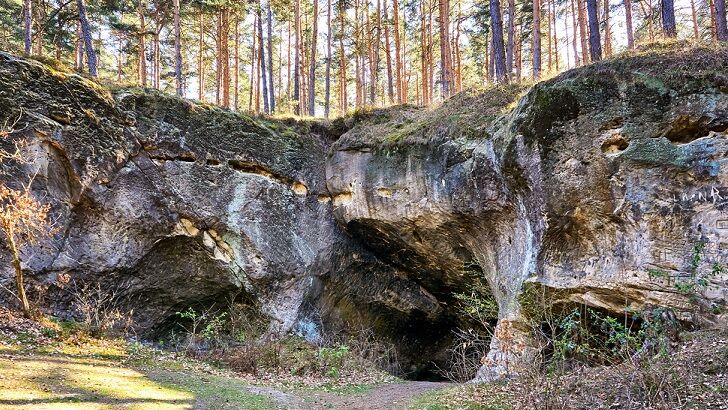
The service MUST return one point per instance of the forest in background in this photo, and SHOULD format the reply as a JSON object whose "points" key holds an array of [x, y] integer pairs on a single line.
{"points": [[327, 57]]}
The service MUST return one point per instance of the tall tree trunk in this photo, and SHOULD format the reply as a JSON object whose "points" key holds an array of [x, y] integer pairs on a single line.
{"points": [[218, 54], [119, 55], [388, 55], [373, 48], [271, 88], [488, 58], [142, 66], [236, 64], [720, 21], [157, 62], [225, 56], [456, 48], [445, 54], [566, 34], [201, 59], [430, 55], [556, 37], [713, 28], [357, 52], [178, 50], [288, 66], [342, 62], [406, 74], [548, 35], [499, 52], [511, 36], [397, 52], [669, 28], [312, 60], [423, 47], [27, 26], [261, 58], [87, 39], [696, 34], [519, 51], [628, 17], [536, 49], [327, 76], [575, 26], [607, 30], [595, 43], [297, 59], [583, 32], [253, 66], [41, 16]]}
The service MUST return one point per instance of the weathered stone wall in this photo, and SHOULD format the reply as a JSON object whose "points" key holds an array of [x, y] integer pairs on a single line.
{"points": [[585, 184]]}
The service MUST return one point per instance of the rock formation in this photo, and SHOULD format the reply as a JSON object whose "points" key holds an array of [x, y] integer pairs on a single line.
{"points": [[602, 185]]}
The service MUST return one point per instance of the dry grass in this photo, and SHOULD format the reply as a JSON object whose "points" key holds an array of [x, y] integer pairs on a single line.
{"points": [[694, 376]]}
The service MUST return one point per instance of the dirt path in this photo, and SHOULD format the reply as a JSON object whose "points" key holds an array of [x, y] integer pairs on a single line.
{"points": [[385, 397]]}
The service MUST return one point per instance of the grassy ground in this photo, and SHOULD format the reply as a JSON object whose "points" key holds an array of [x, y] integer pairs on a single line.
{"points": [[97, 380], [47, 365]]}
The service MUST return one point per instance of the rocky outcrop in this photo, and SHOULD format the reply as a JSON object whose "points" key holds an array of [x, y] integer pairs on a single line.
{"points": [[606, 185], [602, 185]]}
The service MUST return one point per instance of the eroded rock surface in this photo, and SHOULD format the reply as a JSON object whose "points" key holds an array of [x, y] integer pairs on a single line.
{"points": [[589, 184]]}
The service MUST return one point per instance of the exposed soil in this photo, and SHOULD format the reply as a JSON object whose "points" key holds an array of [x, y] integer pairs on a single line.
{"points": [[385, 397]]}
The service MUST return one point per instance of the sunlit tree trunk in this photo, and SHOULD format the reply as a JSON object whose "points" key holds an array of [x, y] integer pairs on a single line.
{"points": [[312, 60], [498, 50], [87, 40], [271, 88], [548, 35], [713, 29], [388, 55], [327, 76], [511, 36], [445, 64], [423, 48], [261, 59], [178, 50], [398, 52], [342, 59], [720, 21], [254, 67], [201, 58], [669, 28], [628, 19], [555, 35], [236, 64], [536, 50], [575, 26], [607, 30], [142, 66], [297, 59], [595, 44], [583, 32], [27, 26], [696, 33], [19, 279]]}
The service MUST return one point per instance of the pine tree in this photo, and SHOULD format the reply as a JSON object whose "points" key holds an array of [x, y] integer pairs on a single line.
{"points": [[669, 28], [87, 40], [720, 21], [498, 50], [595, 43], [536, 39], [178, 49], [27, 26]]}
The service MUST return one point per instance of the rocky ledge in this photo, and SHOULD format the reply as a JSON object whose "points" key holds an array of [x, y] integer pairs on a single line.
{"points": [[604, 186]]}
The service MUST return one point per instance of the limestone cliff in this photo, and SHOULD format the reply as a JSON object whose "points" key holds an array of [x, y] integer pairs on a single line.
{"points": [[602, 184]]}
